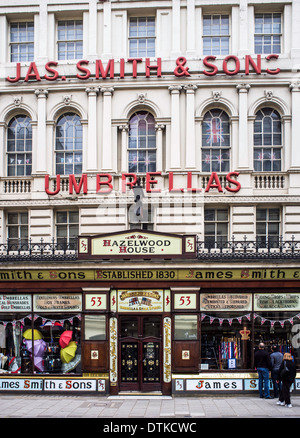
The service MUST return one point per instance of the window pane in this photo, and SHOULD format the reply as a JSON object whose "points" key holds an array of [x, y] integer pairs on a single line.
{"points": [[95, 327], [186, 327]]}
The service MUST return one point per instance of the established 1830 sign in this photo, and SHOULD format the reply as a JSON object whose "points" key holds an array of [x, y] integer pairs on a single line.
{"points": [[136, 244]]}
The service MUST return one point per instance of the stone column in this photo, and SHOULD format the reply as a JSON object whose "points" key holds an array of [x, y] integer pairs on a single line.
{"points": [[243, 150], [124, 145], [92, 155], [295, 150], [41, 144], [190, 28], [190, 146], [106, 144], [175, 128], [159, 150]]}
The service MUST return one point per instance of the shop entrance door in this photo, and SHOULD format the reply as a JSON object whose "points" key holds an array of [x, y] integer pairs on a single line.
{"points": [[140, 353]]}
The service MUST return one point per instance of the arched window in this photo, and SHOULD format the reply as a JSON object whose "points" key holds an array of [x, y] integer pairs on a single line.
{"points": [[142, 143], [68, 145], [215, 141], [267, 141], [19, 146]]}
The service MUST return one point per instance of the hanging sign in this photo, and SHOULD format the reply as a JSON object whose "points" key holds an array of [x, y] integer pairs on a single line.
{"points": [[136, 244]]}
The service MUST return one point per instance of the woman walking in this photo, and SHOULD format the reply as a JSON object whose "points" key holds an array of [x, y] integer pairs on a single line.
{"points": [[287, 374]]}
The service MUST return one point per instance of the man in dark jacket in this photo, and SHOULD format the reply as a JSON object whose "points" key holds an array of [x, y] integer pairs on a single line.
{"points": [[262, 363]]}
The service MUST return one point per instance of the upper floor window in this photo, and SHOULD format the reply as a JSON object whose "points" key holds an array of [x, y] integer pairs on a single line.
{"points": [[142, 37], [70, 39], [67, 228], [267, 141], [68, 145], [216, 34], [142, 143], [17, 228], [215, 141], [267, 226], [216, 222], [267, 38], [21, 42], [19, 146]]}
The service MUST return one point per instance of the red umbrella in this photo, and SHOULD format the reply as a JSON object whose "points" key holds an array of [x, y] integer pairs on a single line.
{"points": [[65, 338]]}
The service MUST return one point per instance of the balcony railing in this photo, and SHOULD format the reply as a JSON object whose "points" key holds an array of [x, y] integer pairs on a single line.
{"points": [[278, 249]]}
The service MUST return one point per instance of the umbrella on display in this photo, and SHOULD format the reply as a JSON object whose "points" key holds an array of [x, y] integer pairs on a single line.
{"points": [[36, 334], [39, 346], [65, 338], [68, 353], [39, 363]]}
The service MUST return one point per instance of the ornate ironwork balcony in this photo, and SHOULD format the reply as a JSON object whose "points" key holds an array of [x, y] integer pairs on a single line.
{"points": [[38, 251], [273, 248], [220, 250]]}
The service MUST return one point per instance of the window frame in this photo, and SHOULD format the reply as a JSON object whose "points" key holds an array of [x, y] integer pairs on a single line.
{"points": [[18, 141], [74, 41], [67, 240], [262, 147], [216, 165], [27, 44], [19, 225], [139, 38], [213, 240], [219, 36], [263, 239], [76, 119], [264, 34]]}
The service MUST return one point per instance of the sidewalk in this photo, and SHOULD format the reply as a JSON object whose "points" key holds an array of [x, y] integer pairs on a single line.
{"points": [[138, 407]]}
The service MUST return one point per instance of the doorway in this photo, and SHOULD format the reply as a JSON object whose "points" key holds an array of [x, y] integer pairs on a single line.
{"points": [[140, 353]]}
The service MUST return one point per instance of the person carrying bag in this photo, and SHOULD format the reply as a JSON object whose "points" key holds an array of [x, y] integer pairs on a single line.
{"points": [[287, 374]]}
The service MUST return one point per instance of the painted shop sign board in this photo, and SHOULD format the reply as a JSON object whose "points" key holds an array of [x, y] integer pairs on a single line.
{"points": [[57, 303], [136, 244], [15, 303], [140, 300], [51, 385], [176, 274], [276, 301], [220, 302]]}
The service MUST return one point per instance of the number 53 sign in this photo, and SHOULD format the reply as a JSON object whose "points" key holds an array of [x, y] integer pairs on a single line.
{"points": [[95, 301], [185, 301]]}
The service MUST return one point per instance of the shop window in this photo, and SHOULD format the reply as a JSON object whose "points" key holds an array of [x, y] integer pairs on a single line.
{"points": [[21, 42], [142, 37], [142, 143], [70, 39], [68, 145], [67, 229], [222, 346], [17, 230], [215, 141], [95, 327], [267, 227], [267, 38], [186, 327], [215, 226], [15, 344], [19, 146], [267, 141], [276, 328], [216, 35], [59, 348]]}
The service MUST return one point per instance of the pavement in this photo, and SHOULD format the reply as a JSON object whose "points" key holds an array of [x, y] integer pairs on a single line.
{"points": [[160, 408]]}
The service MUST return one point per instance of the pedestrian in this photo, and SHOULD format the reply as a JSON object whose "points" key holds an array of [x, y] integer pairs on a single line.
{"points": [[276, 360], [287, 374], [262, 363]]}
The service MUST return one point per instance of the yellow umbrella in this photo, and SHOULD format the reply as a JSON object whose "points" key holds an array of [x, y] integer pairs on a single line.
{"points": [[68, 353], [36, 334]]}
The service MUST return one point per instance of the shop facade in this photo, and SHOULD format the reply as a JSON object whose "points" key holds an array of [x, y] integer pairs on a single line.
{"points": [[172, 326]]}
